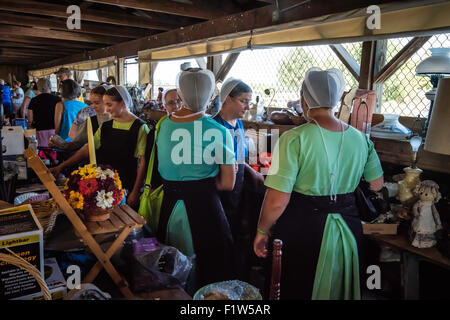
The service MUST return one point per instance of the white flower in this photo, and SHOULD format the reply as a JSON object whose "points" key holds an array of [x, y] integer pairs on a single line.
{"points": [[104, 200], [103, 174], [99, 173], [109, 173]]}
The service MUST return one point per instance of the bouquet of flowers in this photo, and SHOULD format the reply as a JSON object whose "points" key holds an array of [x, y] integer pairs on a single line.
{"points": [[94, 189]]}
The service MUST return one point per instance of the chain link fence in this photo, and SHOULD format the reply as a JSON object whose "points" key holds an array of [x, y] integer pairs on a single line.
{"points": [[281, 70], [404, 92]]}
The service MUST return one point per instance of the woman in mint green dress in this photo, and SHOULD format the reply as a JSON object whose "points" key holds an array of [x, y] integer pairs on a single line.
{"points": [[195, 160], [310, 204]]}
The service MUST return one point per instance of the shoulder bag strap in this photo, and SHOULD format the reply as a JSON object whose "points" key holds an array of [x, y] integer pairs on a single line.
{"points": [[152, 156]]}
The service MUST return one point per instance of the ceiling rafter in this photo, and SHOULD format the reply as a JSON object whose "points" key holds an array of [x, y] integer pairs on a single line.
{"points": [[198, 9], [59, 11], [53, 34], [47, 41], [86, 27]]}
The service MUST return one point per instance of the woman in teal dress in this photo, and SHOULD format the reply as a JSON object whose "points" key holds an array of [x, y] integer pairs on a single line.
{"points": [[195, 160], [310, 204]]}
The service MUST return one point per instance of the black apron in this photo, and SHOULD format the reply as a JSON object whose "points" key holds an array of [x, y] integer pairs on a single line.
{"points": [[301, 227], [210, 231], [95, 124], [117, 150], [231, 202]]}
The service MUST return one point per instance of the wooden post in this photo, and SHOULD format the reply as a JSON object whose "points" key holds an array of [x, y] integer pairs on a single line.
{"points": [[100, 74], [120, 75], [380, 60], [153, 66], [276, 270], [214, 63], [367, 64]]}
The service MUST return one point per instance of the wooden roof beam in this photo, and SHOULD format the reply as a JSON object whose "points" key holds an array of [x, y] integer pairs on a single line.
{"points": [[244, 21], [12, 44], [226, 66], [53, 34], [53, 42], [203, 9], [18, 62], [39, 51], [59, 11], [27, 52], [86, 27], [26, 56], [347, 59]]}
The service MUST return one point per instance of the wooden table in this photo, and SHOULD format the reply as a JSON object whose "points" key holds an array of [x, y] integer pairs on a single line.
{"points": [[409, 263]]}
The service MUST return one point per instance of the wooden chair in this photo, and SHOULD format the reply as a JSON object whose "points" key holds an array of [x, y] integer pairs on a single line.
{"points": [[122, 220], [276, 270]]}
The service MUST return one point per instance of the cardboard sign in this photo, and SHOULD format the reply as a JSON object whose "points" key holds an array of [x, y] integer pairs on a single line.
{"points": [[21, 232]]}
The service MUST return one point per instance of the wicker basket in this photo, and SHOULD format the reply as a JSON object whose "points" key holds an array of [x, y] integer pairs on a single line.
{"points": [[97, 214], [46, 211], [14, 259]]}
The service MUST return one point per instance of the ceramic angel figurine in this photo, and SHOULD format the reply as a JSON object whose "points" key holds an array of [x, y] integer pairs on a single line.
{"points": [[426, 219]]}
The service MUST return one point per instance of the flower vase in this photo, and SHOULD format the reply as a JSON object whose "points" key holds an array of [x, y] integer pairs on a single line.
{"points": [[406, 186], [97, 214]]}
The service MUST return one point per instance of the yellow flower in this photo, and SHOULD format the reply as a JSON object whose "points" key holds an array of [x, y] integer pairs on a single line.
{"points": [[118, 184], [76, 200], [117, 181], [89, 176], [87, 172]]}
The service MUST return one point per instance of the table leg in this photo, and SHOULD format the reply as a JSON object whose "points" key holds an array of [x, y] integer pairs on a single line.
{"points": [[410, 276]]}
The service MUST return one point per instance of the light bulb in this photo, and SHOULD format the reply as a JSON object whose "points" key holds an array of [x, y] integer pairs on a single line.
{"points": [[415, 143]]}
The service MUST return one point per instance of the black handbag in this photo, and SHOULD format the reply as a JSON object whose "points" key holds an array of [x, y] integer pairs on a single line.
{"points": [[369, 204]]}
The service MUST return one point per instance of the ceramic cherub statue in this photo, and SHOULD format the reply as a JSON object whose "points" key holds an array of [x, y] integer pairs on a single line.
{"points": [[426, 219]]}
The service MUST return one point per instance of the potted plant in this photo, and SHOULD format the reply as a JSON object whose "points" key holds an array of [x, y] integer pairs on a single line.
{"points": [[94, 190]]}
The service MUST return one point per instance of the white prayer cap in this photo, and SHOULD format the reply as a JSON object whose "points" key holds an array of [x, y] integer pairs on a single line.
{"points": [[195, 87], [165, 92], [227, 87], [125, 96], [107, 86], [323, 88]]}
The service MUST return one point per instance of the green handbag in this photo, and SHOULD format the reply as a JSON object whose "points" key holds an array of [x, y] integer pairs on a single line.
{"points": [[150, 203]]}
